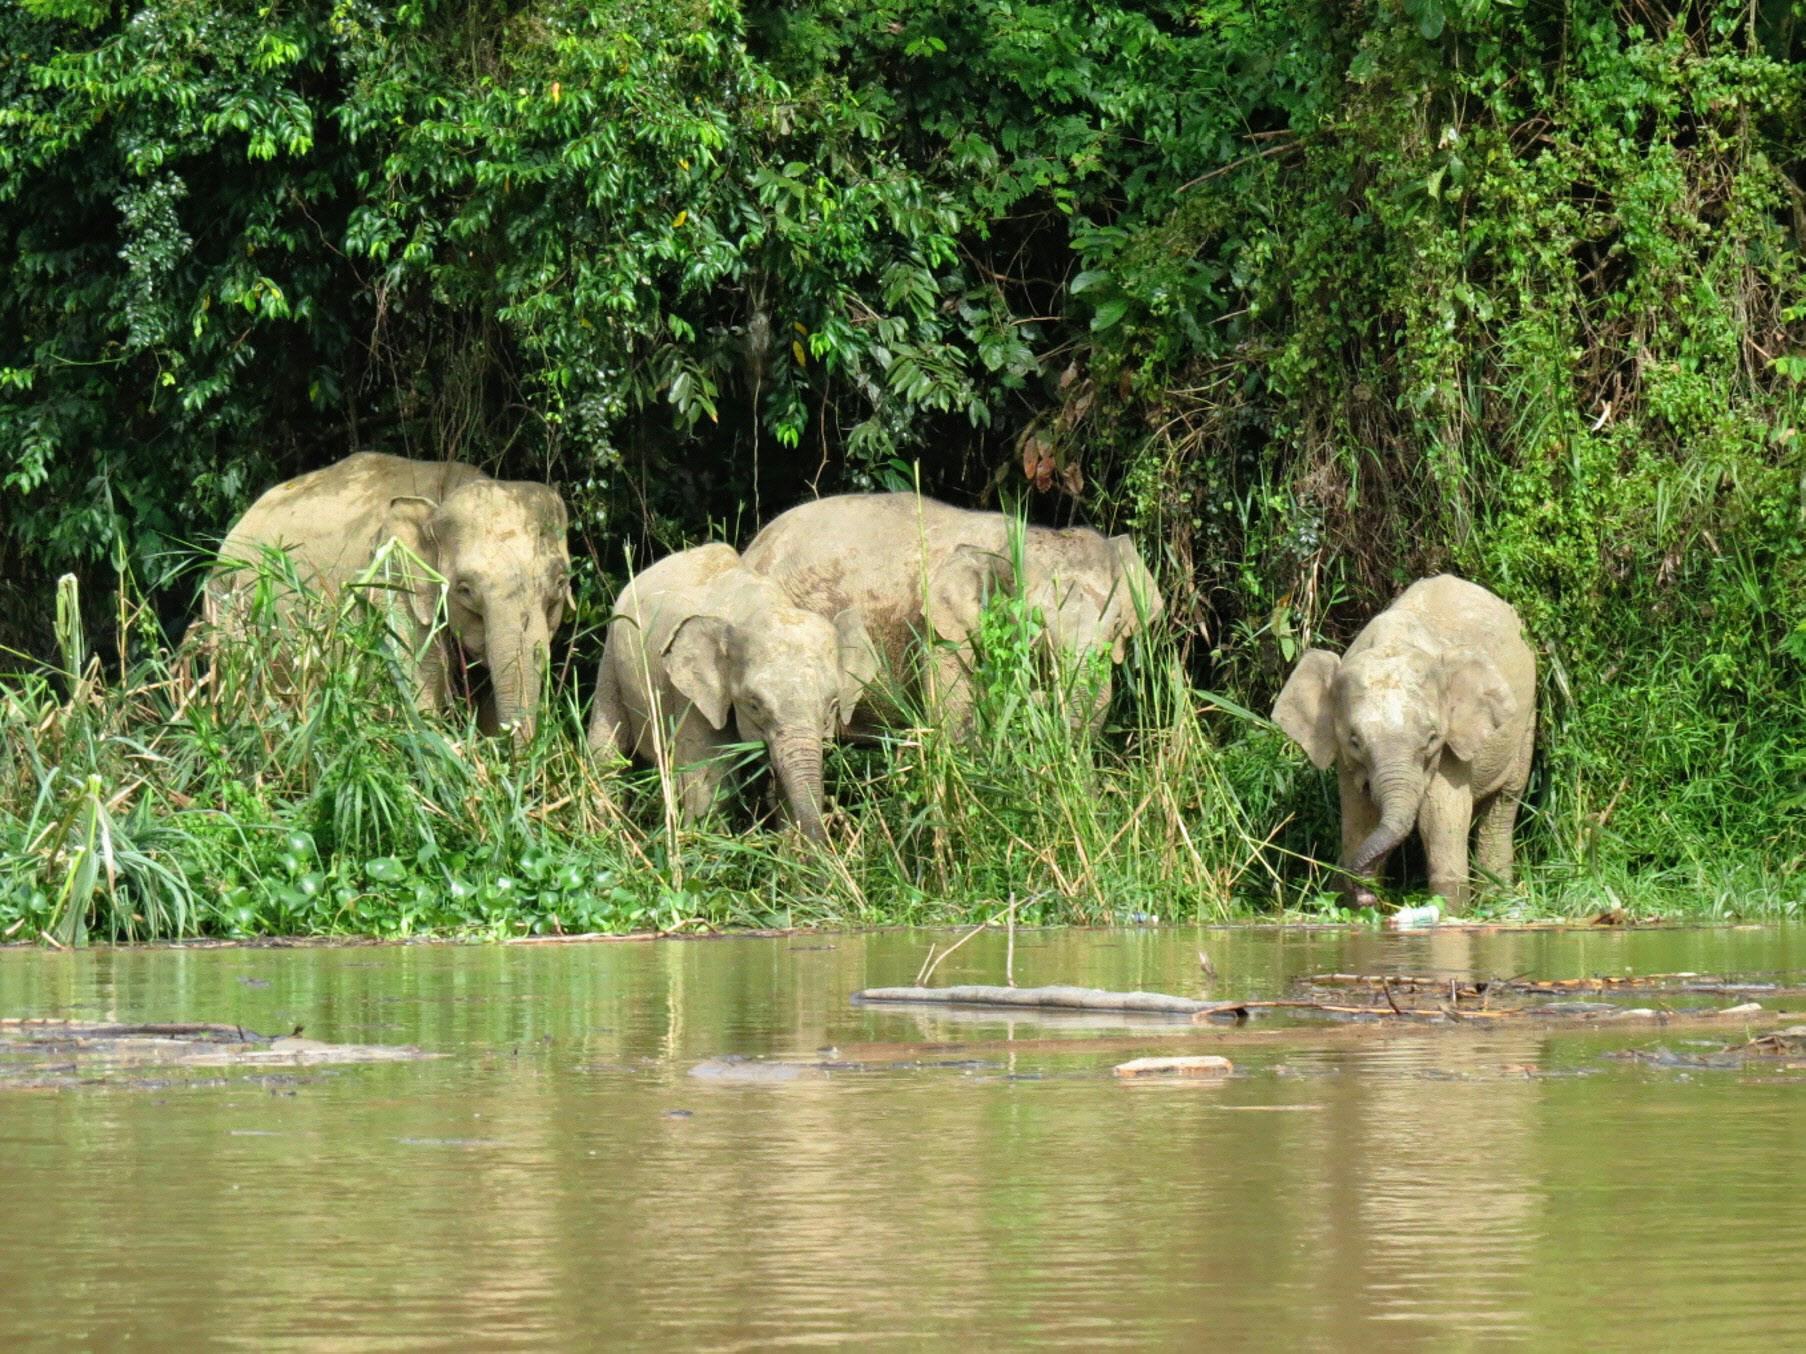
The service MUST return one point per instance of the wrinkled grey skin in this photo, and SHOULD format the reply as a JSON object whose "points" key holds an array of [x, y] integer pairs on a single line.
{"points": [[695, 640], [1430, 720], [499, 547], [913, 565]]}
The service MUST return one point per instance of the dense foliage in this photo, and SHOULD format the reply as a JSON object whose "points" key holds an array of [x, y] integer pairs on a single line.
{"points": [[1315, 298]]}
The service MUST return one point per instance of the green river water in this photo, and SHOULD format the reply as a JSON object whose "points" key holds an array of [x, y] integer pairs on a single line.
{"points": [[564, 1177]]}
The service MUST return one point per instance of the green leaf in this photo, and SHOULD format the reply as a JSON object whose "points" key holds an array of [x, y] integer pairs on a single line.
{"points": [[385, 870], [1109, 313]]}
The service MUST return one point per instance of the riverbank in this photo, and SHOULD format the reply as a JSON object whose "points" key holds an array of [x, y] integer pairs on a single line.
{"points": [[149, 807]]}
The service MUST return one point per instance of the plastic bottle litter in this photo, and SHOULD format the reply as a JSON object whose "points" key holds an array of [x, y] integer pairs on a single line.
{"points": [[1410, 918]]}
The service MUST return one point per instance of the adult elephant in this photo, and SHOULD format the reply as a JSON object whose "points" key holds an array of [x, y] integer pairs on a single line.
{"points": [[495, 554], [1430, 720], [697, 644], [919, 569]]}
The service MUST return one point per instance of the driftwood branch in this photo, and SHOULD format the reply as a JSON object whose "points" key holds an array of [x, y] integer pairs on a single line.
{"points": [[1056, 998], [1696, 984], [83, 1029]]}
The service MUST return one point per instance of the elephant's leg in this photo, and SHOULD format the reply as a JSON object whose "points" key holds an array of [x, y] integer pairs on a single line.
{"points": [[696, 766], [950, 690], [1498, 815], [489, 722], [1443, 823], [1360, 816], [608, 715]]}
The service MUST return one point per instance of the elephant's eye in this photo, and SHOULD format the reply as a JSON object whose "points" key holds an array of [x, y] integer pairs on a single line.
{"points": [[465, 593]]}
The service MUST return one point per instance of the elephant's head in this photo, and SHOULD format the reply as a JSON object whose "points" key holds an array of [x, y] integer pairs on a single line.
{"points": [[790, 679], [500, 548], [1094, 594], [1389, 716]]}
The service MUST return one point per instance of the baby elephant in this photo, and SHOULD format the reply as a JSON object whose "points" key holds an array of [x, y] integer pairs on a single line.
{"points": [[696, 638], [1430, 717]]}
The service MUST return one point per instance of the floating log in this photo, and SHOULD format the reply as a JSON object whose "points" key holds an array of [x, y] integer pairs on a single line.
{"points": [[1198, 1065], [1695, 984], [1046, 998], [1238, 1010], [1096, 999]]}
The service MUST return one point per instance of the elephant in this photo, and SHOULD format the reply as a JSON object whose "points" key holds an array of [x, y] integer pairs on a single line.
{"points": [[1430, 720], [696, 639], [495, 552], [919, 568]]}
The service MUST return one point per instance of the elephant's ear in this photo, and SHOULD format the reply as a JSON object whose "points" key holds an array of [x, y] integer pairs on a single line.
{"points": [[696, 664], [1144, 602], [858, 659], [958, 587], [1476, 702], [1079, 618], [1304, 710], [409, 522], [1117, 618]]}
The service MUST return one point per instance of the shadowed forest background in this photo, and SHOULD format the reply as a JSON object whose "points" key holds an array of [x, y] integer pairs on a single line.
{"points": [[1314, 299]]}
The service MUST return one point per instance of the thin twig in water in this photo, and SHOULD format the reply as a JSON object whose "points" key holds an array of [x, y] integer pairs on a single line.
{"points": [[927, 965], [928, 972], [929, 968], [1009, 955]]}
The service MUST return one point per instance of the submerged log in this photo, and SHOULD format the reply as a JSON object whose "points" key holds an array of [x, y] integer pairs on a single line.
{"points": [[1047, 998], [49, 1054], [1197, 1065]]}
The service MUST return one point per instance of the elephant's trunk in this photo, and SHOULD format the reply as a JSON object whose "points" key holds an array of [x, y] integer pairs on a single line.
{"points": [[796, 757], [1399, 791], [517, 657]]}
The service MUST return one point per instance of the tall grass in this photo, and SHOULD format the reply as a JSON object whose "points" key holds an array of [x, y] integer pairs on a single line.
{"points": [[175, 792], [283, 782]]}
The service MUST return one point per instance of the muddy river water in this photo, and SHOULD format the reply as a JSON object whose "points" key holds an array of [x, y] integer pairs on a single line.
{"points": [[705, 1144]]}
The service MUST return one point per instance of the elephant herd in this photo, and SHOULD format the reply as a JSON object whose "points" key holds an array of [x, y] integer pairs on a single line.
{"points": [[843, 612]]}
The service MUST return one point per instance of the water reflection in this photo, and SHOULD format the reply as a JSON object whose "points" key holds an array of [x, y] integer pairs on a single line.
{"points": [[936, 1178]]}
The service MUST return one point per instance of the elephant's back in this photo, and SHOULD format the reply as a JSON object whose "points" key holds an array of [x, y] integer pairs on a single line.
{"points": [[328, 519], [677, 585], [1465, 614], [698, 567], [875, 552], [865, 550]]}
